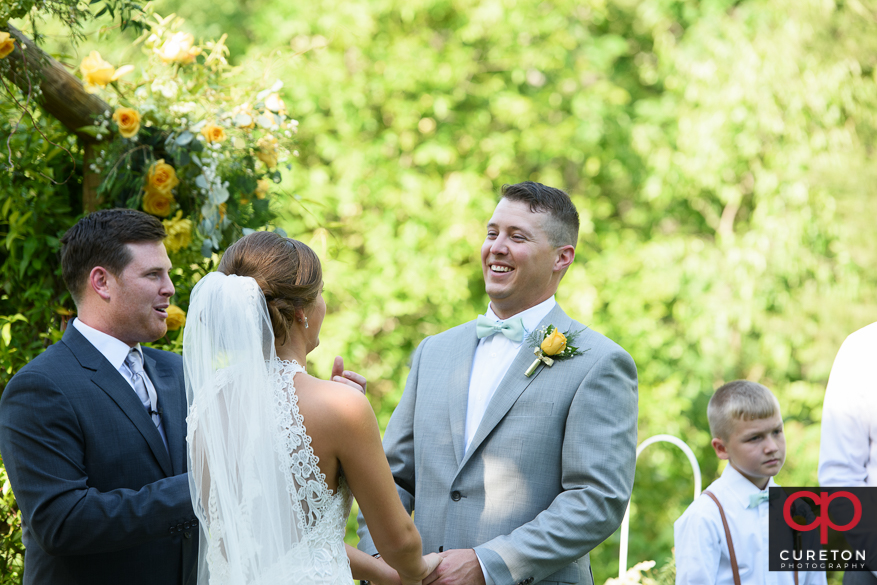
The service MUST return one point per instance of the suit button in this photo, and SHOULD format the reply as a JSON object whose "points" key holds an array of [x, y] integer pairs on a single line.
{"points": [[188, 535], [455, 495]]}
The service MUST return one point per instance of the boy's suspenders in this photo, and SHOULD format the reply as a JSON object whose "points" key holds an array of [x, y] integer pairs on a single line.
{"points": [[734, 568]]}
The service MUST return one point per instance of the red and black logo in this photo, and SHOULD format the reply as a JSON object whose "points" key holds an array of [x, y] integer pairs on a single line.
{"points": [[823, 529]]}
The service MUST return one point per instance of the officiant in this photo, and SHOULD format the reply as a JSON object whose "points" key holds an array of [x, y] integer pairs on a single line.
{"points": [[93, 431]]}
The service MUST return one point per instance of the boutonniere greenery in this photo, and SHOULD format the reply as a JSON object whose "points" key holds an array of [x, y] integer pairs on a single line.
{"points": [[550, 345]]}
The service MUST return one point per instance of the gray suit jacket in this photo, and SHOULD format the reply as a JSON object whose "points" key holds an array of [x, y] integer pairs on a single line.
{"points": [[549, 472], [102, 501]]}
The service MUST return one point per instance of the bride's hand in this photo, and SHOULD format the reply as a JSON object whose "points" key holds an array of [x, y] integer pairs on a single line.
{"points": [[432, 560]]}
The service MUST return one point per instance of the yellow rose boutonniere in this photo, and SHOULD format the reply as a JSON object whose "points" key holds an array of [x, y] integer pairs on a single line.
{"points": [[553, 344], [98, 73], [179, 232], [176, 318], [128, 120], [213, 133], [7, 44], [550, 345]]}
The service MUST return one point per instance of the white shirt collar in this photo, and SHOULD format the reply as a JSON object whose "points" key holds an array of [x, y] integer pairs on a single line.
{"points": [[530, 317], [111, 348], [740, 487]]}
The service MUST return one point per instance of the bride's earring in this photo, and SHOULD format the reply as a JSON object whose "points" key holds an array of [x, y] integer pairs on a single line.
{"points": [[306, 322]]}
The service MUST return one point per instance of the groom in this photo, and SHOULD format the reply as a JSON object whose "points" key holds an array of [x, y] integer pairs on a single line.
{"points": [[515, 479]]}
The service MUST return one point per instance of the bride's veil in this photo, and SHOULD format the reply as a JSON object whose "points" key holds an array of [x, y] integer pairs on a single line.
{"points": [[236, 478]]}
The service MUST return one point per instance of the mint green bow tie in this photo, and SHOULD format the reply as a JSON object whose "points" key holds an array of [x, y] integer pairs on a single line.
{"points": [[512, 328], [756, 499]]}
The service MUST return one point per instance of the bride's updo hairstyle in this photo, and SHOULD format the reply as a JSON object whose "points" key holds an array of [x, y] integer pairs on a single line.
{"points": [[287, 271]]}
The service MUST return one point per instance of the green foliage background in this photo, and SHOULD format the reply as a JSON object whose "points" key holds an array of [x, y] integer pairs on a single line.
{"points": [[720, 154]]}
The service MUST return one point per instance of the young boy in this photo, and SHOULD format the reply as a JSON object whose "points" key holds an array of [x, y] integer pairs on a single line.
{"points": [[747, 430]]}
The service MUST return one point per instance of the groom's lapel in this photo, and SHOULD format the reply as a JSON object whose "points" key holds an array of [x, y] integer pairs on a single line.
{"points": [[460, 356], [513, 383]]}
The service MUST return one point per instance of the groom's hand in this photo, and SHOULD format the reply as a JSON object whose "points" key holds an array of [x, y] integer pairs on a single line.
{"points": [[352, 379], [459, 566]]}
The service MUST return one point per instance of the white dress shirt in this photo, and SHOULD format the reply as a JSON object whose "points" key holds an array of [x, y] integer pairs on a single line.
{"points": [[848, 448], [115, 351], [493, 356], [702, 556]]}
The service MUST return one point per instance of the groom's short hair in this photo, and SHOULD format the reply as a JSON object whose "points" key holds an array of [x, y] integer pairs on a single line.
{"points": [[99, 239], [563, 226]]}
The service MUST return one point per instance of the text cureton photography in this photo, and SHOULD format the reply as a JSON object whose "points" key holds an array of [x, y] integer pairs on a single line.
{"points": [[823, 529]]}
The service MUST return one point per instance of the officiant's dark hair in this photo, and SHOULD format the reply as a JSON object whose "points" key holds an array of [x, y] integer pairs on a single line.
{"points": [[99, 239], [564, 228], [288, 272]]}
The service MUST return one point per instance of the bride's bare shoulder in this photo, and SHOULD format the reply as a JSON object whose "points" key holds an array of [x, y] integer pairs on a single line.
{"points": [[333, 401]]}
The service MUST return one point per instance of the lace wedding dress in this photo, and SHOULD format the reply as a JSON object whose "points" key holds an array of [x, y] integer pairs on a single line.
{"points": [[267, 515]]}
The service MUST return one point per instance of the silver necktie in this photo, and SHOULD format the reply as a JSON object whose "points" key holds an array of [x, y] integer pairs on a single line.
{"points": [[145, 390]]}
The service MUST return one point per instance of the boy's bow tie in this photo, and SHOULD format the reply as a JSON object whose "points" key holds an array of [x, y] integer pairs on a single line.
{"points": [[512, 328], [756, 499]]}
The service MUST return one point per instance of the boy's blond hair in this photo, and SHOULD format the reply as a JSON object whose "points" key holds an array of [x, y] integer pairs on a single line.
{"points": [[739, 400]]}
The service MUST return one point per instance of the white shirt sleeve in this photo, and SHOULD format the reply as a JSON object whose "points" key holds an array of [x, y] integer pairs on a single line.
{"points": [[844, 451], [487, 579], [698, 544]]}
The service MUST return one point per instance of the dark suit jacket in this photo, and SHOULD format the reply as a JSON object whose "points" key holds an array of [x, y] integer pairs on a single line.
{"points": [[102, 501]]}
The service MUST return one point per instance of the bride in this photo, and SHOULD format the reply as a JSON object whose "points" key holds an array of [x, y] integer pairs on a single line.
{"points": [[275, 453]]}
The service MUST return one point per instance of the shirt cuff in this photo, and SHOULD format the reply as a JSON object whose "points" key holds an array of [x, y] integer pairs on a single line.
{"points": [[487, 579]]}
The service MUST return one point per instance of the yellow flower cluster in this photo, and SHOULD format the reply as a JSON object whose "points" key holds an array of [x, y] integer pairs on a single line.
{"points": [[7, 44], [98, 73], [179, 232], [160, 180], [176, 318], [128, 120]]}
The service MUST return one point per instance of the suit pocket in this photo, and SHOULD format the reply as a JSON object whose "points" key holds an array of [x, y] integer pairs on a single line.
{"points": [[531, 409]]}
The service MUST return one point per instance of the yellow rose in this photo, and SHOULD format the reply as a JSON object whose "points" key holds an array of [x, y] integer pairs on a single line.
{"points": [[178, 49], [157, 202], [179, 232], [262, 187], [213, 133], [267, 151], [97, 72], [128, 120], [176, 318], [7, 44], [161, 177], [554, 343], [244, 200]]}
